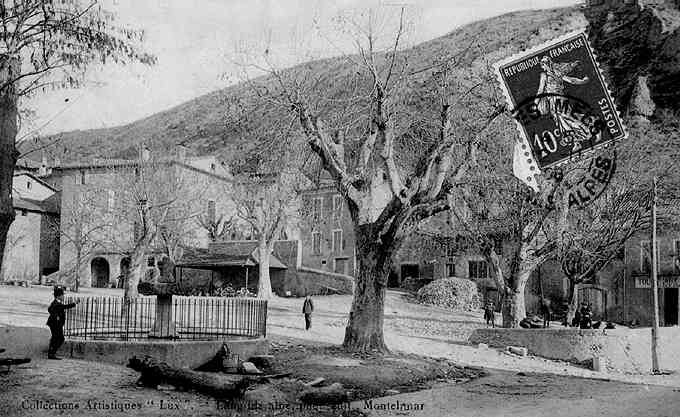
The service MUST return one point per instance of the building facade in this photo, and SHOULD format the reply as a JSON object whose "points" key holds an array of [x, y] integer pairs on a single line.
{"points": [[633, 291], [101, 204], [326, 231], [32, 248]]}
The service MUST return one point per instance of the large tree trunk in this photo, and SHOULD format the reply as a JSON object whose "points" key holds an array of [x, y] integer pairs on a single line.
{"points": [[571, 294], [9, 69], [264, 284], [514, 306], [136, 271], [364, 330]]}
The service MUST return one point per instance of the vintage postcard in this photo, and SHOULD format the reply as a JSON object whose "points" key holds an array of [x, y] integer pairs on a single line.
{"points": [[323, 208]]}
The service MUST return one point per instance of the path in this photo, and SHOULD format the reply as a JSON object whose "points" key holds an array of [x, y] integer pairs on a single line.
{"points": [[502, 394]]}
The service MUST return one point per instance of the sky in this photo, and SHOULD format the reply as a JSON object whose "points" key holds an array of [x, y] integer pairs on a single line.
{"points": [[200, 43]]}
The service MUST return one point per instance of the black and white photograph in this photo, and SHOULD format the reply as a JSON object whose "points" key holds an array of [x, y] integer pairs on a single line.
{"points": [[340, 208]]}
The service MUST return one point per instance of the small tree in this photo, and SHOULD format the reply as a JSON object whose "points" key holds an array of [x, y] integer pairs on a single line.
{"points": [[49, 44], [157, 205], [85, 226]]}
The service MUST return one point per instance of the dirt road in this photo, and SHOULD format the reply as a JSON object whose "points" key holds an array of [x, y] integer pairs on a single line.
{"points": [[505, 394]]}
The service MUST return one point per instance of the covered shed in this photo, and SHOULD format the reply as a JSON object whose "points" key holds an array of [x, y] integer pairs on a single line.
{"points": [[240, 269]]}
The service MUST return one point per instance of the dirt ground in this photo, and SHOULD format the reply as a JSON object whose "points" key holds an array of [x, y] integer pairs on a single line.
{"points": [[80, 388], [409, 328]]}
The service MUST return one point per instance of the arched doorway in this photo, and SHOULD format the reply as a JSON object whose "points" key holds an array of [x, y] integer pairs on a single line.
{"points": [[99, 270], [124, 270]]}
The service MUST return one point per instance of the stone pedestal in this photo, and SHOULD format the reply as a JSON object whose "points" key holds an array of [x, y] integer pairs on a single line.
{"points": [[164, 326]]}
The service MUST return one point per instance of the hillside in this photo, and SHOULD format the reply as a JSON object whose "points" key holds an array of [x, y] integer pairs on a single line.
{"points": [[206, 124]]}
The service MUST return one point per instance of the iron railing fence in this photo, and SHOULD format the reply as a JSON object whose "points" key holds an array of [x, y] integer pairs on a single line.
{"points": [[184, 317]]}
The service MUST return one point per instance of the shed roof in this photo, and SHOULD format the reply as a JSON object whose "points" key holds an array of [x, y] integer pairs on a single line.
{"points": [[202, 260]]}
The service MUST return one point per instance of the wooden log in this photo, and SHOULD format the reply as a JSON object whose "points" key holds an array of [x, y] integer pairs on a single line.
{"points": [[218, 385], [14, 361], [332, 394]]}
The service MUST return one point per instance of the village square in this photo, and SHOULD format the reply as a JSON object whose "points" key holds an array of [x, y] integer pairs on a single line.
{"points": [[309, 208]]}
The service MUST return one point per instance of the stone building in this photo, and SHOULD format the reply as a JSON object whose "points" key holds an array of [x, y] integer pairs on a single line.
{"points": [[326, 231], [100, 213], [32, 248], [632, 293]]}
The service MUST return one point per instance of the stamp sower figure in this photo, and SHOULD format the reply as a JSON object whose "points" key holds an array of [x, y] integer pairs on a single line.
{"points": [[307, 309], [56, 321], [489, 314], [553, 77]]}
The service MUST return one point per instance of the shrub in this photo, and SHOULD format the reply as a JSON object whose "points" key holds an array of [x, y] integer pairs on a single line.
{"points": [[451, 293]]}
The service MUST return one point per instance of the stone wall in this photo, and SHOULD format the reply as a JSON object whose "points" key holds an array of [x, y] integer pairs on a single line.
{"points": [[315, 282], [624, 350]]}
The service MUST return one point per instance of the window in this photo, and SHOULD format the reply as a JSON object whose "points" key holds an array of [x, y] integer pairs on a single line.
{"points": [[111, 200], [498, 245], [317, 208], [450, 270], [24, 212], [316, 243], [478, 269], [340, 265], [213, 167], [82, 177], [28, 185], [211, 211], [337, 240], [337, 206], [645, 255]]}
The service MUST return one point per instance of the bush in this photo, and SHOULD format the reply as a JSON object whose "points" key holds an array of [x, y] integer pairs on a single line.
{"points": [[451, 293]]}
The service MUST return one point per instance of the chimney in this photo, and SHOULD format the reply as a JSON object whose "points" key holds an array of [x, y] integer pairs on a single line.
{"points": [[44, 170]]}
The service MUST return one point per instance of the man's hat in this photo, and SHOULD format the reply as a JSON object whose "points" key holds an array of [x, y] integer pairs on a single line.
{"points": [[58, 291]]}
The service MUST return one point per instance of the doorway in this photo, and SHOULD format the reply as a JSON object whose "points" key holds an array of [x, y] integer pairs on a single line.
{"points": [[409, 271], [670, 306], [100, 272]]}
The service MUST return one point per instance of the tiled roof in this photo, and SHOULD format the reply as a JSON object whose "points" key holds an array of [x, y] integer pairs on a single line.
{"points": [[33, 205]]}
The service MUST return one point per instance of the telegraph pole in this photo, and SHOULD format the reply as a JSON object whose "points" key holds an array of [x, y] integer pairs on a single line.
{"points": [[655, 286]]}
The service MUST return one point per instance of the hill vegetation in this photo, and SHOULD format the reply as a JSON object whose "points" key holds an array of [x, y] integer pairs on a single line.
{"points": [[215, 122]]}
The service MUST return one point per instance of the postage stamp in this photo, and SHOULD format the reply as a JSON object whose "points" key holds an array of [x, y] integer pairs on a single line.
{"points": [[560, 99]]}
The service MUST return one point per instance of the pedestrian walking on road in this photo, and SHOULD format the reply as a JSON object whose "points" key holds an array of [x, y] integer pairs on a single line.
{"points": [[307, 309], [56, 321], [546, 313], [489, 314]]}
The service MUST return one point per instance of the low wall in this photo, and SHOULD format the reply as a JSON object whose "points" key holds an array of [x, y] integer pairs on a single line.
{"points": [[28, 342], [32, 342], [189, 354], [310, 281], [624, 350]]}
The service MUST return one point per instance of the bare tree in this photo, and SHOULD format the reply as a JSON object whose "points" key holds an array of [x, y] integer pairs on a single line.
{"points": [[49, 44], [266, 204], [85, 226], [511, 226], [157, 204], [218, 227], [396, 140]]}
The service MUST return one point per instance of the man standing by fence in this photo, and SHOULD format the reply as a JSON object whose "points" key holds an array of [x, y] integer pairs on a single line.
{"points": [[56, 321], [307, 309]]}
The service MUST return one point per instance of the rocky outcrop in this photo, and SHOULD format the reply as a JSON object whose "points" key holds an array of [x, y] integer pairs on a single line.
{"points": [[639, 51]]}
